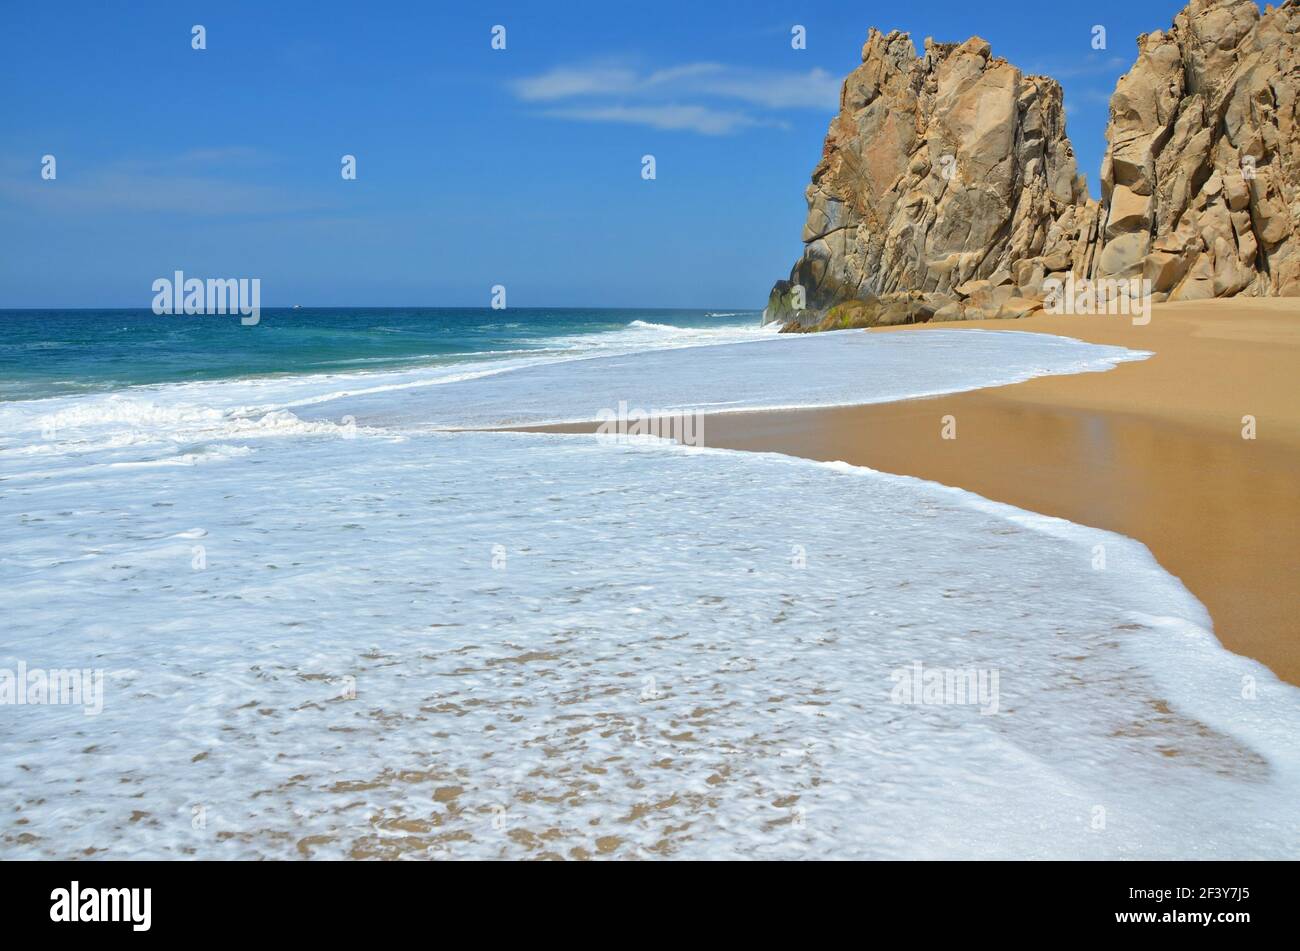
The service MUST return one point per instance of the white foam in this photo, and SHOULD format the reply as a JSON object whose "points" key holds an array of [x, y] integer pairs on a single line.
{"points": [[770, 372], [766, 371], [648, 671], [181, 411]]}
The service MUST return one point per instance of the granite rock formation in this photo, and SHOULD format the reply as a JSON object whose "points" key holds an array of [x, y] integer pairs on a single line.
{"points": [[947, 187], [1201, 179]]}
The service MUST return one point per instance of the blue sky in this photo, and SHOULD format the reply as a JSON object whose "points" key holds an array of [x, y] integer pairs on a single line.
{"points": [[475, 166]]}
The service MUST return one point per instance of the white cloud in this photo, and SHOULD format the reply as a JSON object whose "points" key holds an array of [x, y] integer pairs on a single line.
{"points": [[1090, 66], [815, 89], [566, 82], [692, 96], [700, 119]]}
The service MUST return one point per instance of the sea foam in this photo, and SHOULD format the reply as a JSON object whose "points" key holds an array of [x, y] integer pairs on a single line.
{"points": [[364, 638], [502, 645]]}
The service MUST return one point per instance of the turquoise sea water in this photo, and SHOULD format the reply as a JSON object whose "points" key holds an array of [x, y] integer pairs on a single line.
{"points": [[56, 352]]}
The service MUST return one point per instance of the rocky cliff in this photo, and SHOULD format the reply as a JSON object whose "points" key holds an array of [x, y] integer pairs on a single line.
{"points": [[947, 187]]}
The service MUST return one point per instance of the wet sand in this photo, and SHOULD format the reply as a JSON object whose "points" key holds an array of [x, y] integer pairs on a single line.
{"points": [[1152, 449]]}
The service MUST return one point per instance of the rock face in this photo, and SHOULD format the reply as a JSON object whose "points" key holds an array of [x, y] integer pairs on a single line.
{"points": [[1201, 177], [940, 173], [947, 187]]}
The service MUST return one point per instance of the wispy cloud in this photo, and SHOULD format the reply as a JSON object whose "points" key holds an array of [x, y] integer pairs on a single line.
{"points": [[700, 119], [815, 89], [566, 82], [708, 98], [189, 183], [1096, 65]]}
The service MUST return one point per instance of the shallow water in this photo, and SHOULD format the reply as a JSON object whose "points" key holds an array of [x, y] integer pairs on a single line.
{"points": [[333, 640]]}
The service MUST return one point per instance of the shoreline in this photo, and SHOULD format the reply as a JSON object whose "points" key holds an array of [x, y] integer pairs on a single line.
{"points": [[1151, 449]]}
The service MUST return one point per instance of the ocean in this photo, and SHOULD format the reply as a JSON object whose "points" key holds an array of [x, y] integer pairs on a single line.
{"points": [[331, 615], [58, 352]]}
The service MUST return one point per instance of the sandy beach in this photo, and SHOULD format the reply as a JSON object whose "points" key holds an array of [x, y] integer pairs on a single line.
{"points": [[1153, 450]]}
